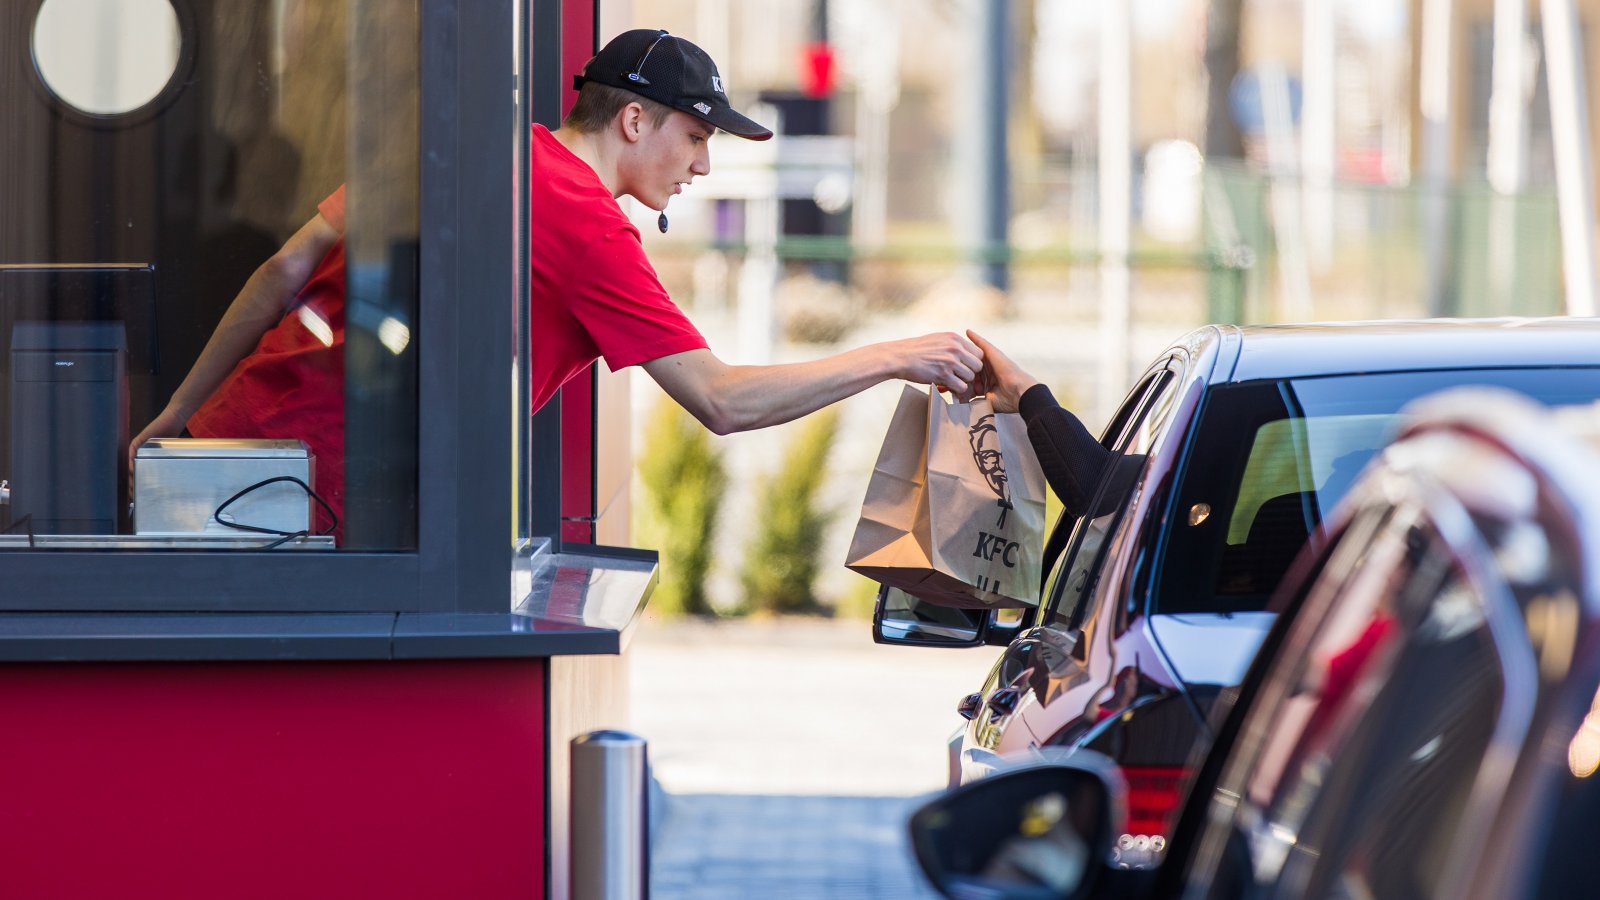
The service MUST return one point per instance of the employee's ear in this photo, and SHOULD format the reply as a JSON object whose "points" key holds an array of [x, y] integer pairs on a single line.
{"points": [[632, 122]]}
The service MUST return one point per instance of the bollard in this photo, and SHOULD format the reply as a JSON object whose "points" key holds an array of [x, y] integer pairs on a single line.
{"points": [[610, 817]]}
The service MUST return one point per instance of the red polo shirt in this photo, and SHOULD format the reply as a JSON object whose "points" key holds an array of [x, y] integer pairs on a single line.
{"points": [[593, 292], [292, 385]]}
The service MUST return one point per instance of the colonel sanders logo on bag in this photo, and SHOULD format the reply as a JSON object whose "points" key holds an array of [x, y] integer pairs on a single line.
{"points": [[954, 512], [985, 439]]}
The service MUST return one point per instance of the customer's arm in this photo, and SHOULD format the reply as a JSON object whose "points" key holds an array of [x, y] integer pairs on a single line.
{"points": [[260, 304], [1073, 460], [727, 398]]}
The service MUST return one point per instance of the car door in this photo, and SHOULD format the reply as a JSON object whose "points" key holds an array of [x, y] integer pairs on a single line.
{"points": [[1050, 658], [1353, 768]]}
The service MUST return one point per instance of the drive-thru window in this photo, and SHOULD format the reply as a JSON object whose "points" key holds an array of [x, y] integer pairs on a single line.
{"points": [[341, 654]]}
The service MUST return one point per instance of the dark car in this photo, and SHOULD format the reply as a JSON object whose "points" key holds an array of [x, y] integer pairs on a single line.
{"points": [[1424, 721], [1159, 600]]}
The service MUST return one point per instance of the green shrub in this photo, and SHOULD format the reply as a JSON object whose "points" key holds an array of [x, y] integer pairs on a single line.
{"points": [[858, 600], [780, 565], [684, 482]]}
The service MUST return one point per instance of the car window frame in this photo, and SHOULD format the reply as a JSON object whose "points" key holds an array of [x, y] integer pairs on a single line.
{"points": [[1434, 561], [1204, 827], [1210, 821], [1160, 381]]}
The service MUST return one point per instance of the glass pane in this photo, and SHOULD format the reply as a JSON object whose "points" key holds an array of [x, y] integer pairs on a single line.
{"points": [[1131, 443], [1272, 458], [213, 247], [106, 57], [1398, 708]]}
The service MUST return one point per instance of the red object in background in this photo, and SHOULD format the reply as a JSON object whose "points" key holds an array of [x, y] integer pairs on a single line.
{"points": [[286, 779], [817, 71]]}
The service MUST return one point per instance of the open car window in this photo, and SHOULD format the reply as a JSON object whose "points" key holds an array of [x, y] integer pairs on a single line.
{"points": [[1132, 434]]}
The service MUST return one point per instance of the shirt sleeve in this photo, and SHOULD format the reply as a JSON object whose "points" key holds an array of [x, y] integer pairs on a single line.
{"points": [[1073, 461], [332, 209], [618, 299]]}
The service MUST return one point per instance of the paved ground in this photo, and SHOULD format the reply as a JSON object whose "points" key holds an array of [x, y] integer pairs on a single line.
{"points": [[791, 752]]}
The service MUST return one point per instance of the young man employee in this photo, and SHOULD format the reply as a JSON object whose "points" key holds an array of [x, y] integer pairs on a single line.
{"points": [[648, 104]]}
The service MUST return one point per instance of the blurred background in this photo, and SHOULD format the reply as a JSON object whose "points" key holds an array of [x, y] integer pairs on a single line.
{"points": [[1082, 183]]}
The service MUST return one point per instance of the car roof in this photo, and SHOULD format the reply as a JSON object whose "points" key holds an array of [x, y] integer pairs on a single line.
{"points": [[1338, 348]]}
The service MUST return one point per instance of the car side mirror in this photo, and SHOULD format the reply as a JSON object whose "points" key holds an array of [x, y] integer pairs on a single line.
{"points": [[1038, 832], [900, 618]]}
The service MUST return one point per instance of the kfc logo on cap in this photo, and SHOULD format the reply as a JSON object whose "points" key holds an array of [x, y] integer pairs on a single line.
{"points": [[716, 84]]}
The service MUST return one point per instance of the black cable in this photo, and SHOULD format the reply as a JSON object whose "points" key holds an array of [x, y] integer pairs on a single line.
{"points": [[283, 536], [27, 519]]}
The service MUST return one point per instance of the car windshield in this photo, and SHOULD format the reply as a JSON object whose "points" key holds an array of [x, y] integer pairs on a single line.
{"points": [[1271, 457]]}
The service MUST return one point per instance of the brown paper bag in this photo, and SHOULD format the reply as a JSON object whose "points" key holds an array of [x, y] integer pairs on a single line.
{"points": [[954, 512]]}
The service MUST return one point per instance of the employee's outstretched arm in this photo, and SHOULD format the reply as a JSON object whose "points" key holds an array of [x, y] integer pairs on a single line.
{"points": [[729, 398], [260, 304]]}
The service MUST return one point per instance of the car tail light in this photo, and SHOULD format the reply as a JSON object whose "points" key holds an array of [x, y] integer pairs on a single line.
{"points": [[1152, 798]]}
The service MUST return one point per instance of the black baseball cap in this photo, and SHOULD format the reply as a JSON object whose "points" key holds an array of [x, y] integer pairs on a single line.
{"points": [[671, 71]]}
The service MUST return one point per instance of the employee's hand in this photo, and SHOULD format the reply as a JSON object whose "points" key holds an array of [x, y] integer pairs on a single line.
{"points": [[1003, 380], [945, 359], [169, 423]]}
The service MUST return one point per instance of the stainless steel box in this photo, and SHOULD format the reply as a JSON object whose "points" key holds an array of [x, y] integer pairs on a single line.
{"points": [[178, 483]]}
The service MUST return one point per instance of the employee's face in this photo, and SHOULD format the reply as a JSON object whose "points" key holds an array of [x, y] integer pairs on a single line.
{"points": [[669, 157]]}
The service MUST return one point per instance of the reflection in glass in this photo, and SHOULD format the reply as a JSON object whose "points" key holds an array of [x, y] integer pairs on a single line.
{"points": [[905, 617], [209, 222], [106, 57]]}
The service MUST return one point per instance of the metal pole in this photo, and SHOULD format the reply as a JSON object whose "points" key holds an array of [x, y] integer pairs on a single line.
{"points": [[1436, 93], [1317, 139], [1116, 198], [758, 275], [1569, 126], [874, 42], [1288, 213], [610, 817], [1508, 145], [1508, 131], [996, 245]]}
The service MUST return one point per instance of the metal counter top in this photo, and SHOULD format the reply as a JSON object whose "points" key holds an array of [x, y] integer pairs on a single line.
{"points": [[564, 603]]}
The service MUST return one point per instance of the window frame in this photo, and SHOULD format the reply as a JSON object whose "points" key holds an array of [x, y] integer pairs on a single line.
{"points": [[462, 561], [1161, 379], [1208, 830]]}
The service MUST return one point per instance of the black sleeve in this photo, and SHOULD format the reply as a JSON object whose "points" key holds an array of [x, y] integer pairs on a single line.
{"points": [[1072, 459]]}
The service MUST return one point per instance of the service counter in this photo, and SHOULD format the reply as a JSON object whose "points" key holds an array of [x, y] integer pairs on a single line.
{"points": [[340, 755], [381, 708]]}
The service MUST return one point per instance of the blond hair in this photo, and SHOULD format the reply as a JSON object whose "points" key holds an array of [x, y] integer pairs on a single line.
{"points": [[598, 104]]}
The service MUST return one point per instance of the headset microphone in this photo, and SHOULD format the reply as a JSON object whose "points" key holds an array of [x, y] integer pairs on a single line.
{"points": [[661, 222]]}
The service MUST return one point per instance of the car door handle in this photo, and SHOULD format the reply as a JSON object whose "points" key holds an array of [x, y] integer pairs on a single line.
{"points": [[969, 705], [1003, 702]]}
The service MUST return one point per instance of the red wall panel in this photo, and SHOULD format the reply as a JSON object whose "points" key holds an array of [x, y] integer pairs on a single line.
{"points": [[382, 779], [577, 396]]}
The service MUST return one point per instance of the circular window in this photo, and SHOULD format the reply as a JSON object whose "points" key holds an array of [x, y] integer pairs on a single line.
{"points": [[106, 57]]}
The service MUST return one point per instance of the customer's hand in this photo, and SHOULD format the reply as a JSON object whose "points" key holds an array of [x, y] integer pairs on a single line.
{"points": [[1001, 379]]}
